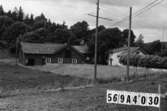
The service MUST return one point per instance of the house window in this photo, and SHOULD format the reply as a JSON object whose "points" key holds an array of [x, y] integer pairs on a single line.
{"points": [[48, 60], [74, 61], [60, 60]]}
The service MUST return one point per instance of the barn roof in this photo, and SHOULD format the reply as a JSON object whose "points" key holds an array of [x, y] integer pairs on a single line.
{"points": [[49, 48], [41, 48]]}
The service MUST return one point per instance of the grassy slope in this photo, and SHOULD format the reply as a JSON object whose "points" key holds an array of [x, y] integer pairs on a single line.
{"points": [[4, 53], [91, 99], [87, 70], [16, 77]]}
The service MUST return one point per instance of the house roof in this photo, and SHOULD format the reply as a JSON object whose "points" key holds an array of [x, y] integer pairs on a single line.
{"points": [[81, 49], [124, 49], [41, 48]]}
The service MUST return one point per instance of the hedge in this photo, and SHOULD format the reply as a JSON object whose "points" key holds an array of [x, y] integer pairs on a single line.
{"points": [[148, 61]]}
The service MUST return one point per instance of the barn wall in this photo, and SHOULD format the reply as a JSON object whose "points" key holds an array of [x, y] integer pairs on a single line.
{"points": [[54, 58]]}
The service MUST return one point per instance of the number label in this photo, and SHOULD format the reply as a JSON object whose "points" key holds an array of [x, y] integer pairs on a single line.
{"points": [[133, 98]]}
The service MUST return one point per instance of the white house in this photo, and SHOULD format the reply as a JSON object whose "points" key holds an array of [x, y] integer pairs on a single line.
{"points": [[114, 55]]}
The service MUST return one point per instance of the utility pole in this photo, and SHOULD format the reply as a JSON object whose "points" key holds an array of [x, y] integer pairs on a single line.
{"points": [[96, 38], [129, 37], [16, 45]]}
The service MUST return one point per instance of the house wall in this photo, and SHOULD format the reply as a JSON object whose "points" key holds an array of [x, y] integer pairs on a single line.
{"points": [[21, 57], [114, 58], [37, 59], [74, 55]]}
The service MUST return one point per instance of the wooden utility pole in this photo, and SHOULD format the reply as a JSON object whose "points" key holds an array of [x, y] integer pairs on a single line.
{"points": [[96, 38], [16, 45], [159, 91], [129, 37]]}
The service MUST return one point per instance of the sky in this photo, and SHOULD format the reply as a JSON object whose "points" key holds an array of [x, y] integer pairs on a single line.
{"points": [[151, 24]]}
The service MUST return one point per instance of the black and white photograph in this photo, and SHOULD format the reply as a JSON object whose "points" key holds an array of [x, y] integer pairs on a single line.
{"points": [[83, 55]]}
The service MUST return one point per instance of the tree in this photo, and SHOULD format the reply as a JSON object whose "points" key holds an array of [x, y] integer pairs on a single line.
{"points": [[108, 39], [5, 22], [40, 18], [14, 31], [100, 28], [139, 42], [40, 22], [14, 14], [1, 10], [125, 36], [62, 35], [20, 14], [29, 20], [152, 48], [80, 29], [36, 36]]}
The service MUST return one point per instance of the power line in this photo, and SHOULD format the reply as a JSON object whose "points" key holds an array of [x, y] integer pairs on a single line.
{"points": [[149, 8], [141, 11]]}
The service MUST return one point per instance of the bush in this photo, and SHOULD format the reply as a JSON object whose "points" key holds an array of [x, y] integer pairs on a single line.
{"points": [[148, 61]]}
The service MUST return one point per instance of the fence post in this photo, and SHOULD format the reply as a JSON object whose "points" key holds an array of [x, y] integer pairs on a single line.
{"points": [[163, 103]]}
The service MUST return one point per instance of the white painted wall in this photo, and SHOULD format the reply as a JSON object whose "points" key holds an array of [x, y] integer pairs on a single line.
{"points": [[115, 58]]}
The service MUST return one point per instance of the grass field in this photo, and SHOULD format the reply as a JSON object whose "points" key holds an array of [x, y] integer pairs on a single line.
{"points": [[89, 99], [87, 71], [20, 88], [4, 53], [17, 78]]}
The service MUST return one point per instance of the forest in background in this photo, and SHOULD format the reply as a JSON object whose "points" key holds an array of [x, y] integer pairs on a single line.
{"points": [[15, 24]]}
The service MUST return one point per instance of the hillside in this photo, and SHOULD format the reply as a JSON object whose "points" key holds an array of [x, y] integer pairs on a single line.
{"points": [[88, 99], [4, 53], [14, 78]]}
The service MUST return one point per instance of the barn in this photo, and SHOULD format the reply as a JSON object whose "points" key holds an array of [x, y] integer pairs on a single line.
{"points": [[43, 53]]}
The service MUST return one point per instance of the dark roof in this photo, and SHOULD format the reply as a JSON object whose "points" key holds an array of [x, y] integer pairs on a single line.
{"points": [[81, 49], [41, 48], [49, 48], [3, 43], [132, 49]]}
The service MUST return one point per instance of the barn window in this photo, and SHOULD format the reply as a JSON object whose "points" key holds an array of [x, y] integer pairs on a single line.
{"points": [[74, 61], [48, 60], [60, 60], [137, 52]]}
